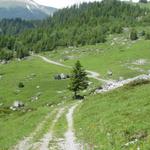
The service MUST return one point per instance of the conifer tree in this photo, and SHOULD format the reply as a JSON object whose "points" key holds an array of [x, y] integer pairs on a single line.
{"points": [[79, 79]]}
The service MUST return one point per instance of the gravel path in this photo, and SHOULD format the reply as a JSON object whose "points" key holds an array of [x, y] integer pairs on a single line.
{"points": [[26, 142], [70, 139], [69, 142], [91, 74], [43, 144]]}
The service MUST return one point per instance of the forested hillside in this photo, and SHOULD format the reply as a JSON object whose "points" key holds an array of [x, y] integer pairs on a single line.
{"points": [[88, 23]]}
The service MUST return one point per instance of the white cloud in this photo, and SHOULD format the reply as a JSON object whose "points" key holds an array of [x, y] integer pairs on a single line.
{"points": [[61, 3], [64, 3]]}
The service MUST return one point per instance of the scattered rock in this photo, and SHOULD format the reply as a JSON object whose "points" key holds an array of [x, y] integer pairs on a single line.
{"points": [[36, 97], [139, 136], [121, 78], [12, 108], [135, 68], [89, 83], [61, 76], [116, 84], [37, 86], [130, 143], [140, 62], [39, 94], [17, 91], [16, 105], [33, 75], [59, 92], [29, 110], [19, 59], [49, 105], [109, 73], [4, 62]]}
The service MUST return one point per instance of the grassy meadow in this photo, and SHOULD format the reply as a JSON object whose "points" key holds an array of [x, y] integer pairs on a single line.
{"points": [[103, 121], [118, 54], [109, 121], [38, 78], [112, 120]]}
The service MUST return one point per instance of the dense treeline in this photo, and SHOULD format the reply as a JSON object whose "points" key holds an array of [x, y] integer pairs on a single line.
{"points": [[11, 47], [98, 13], [88, 23]]}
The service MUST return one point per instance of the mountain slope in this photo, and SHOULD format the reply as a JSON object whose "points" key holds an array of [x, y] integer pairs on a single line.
{"points": [[25, 9]]}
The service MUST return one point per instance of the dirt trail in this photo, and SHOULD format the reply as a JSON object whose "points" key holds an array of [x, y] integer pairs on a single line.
{"points": [[69, 142], [44, 142], [96, 76], [70, 139], [25, 144], [91, 74], [53, 62]]}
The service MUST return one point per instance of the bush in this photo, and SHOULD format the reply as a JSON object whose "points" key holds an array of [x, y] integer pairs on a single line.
{"points": [[6, 54], [133, 35], [116, 29], [20, 85]]}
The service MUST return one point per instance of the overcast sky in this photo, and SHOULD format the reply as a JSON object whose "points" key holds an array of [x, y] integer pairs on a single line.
{"points": [[63, 3]]}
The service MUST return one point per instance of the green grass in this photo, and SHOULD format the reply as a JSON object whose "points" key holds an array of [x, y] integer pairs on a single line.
{"points": [[16, 72], [106, 121], [15, 125], [110, 120], [117, 54], [61, 126]]}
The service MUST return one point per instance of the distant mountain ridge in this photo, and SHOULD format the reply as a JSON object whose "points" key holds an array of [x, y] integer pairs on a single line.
{"points": [[24, 9]]}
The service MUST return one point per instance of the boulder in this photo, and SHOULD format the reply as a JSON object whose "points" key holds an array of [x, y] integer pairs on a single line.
{"points": [[61, 76], [109, 73], [18, 104], [3, 62], [57, 77]]}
